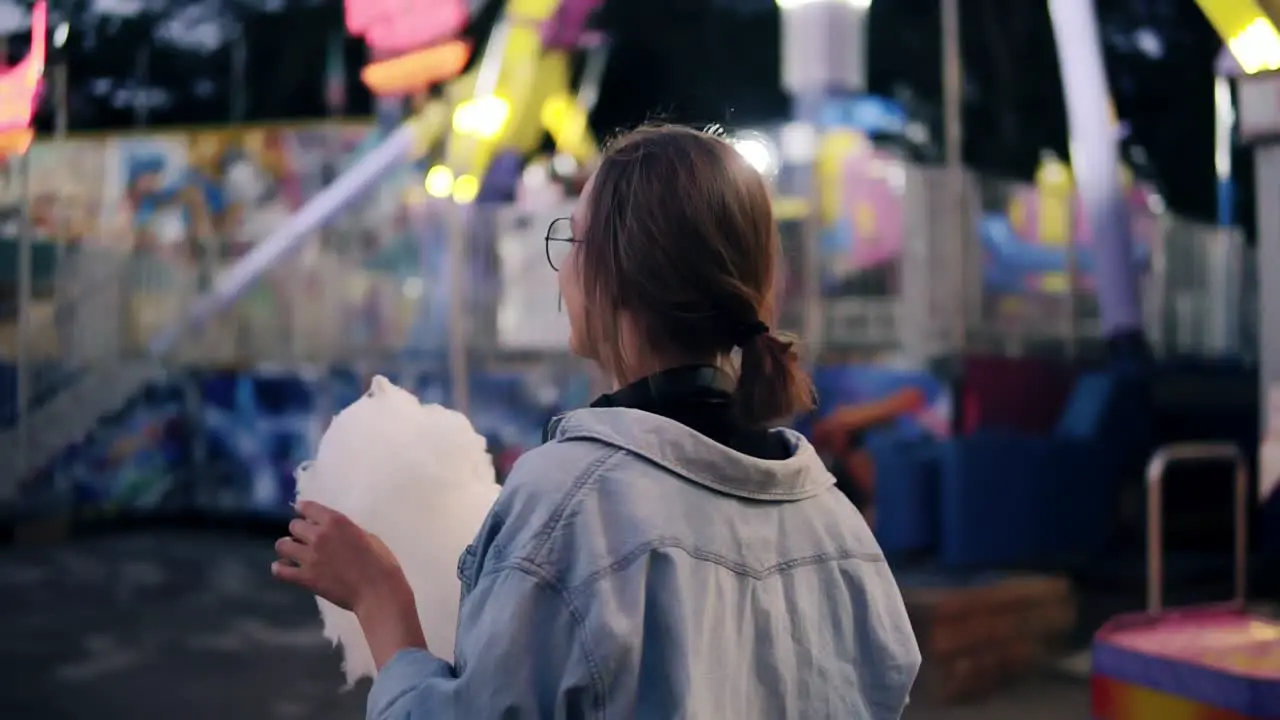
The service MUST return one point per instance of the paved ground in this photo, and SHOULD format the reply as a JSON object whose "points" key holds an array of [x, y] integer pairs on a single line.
{"points": [[186, 625]]}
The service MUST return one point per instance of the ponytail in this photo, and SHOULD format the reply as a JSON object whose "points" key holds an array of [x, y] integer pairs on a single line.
{"points": [[772, 386]]}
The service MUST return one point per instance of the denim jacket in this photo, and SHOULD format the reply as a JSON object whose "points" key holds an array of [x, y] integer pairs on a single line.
{"points": [[632, 568]]}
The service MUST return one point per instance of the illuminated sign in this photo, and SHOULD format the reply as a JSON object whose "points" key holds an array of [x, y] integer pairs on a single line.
{"points": [[20, 88], [415, 41], [416, 70], [395, 26], [1248, 32]]}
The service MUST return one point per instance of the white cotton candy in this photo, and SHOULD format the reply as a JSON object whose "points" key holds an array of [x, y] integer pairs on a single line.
{"points": [[417, 476]]}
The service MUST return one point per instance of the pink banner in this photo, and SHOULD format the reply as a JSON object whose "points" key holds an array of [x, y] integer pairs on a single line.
{"points": [[20, 85], [394, 26], [873, 196]]}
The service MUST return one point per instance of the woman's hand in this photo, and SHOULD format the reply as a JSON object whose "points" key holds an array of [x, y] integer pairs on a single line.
{"points": [[332, 557]]}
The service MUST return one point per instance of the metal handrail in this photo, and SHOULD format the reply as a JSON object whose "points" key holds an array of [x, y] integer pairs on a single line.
{"points": [[1156, 469]]}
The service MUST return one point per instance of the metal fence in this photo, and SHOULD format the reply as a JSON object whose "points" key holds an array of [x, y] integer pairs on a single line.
{"points": [[1203, 299], [468, 284], [1197, 283], [458, 302], [987, 283]]}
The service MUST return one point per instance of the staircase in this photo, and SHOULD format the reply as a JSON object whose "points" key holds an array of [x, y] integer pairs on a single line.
{"points": [[78, 367], [67, 418]]}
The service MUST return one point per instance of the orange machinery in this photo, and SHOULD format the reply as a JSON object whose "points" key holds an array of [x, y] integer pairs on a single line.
{"points": [[840, 436]]}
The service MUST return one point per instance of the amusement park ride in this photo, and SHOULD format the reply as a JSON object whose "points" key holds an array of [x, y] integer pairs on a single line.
{"points": [[516, 90], [519, 88]]}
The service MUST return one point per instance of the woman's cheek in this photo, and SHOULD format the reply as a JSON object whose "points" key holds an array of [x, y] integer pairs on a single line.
{"points": [[574, 307]]}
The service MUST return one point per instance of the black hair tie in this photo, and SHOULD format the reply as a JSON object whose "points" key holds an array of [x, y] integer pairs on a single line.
{"points": [[749, 332]]}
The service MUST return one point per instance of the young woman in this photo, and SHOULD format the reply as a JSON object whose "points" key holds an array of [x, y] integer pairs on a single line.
{"points": [[665, 554]]}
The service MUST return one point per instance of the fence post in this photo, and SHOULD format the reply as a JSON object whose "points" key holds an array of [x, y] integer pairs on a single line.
{"points": [[1222, 289], [916, 283], [25, 308], [1158, 289], [956, 180], [456, 216]]}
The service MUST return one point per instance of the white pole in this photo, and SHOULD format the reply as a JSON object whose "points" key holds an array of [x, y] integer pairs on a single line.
{"points": [[1095, 162], [823, 54]]}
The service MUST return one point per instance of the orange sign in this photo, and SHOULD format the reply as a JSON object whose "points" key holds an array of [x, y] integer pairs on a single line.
{"points": [[413, 41], [418, 70]]}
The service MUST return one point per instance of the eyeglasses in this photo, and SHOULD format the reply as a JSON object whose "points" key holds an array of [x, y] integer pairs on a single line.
{"points": [[560, 242]]}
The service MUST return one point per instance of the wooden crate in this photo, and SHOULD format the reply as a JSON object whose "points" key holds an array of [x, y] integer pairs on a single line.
{"points": [[979, 636]]}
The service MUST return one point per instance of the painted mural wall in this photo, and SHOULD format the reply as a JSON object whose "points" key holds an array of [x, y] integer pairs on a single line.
{"points": [[224, 441]]}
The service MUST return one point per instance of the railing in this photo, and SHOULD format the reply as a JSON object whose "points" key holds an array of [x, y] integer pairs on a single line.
{"points": [[371, 283], [76, 321], [997, 286], [1205, 301], [401, 278], [1193, 452], [364, 295], [1197, 281]]}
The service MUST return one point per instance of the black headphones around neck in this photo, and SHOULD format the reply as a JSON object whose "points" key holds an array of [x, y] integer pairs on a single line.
{"points": [[702, 382]]}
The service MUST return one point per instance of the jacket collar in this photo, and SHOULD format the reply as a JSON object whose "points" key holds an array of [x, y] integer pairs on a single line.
{"points": [[696, 458]]}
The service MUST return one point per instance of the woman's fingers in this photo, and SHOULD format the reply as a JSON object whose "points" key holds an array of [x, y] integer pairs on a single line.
{"points": [[293, 551], [287, 572], [303, 530], [315, 512]]}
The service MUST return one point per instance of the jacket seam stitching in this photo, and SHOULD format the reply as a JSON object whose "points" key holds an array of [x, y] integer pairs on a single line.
{"points": [[540, 575], [468, 581], [543, 538], [737, 568]]}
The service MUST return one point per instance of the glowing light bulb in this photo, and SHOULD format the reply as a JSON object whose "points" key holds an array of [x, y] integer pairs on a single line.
{"points": [[758, 151], [439, 182], [1256, 47], [1249, 33], [483, 117], [465, 189]]}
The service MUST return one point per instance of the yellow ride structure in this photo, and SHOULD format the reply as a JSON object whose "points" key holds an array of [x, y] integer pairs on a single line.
{"points": [[517, 89]]}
